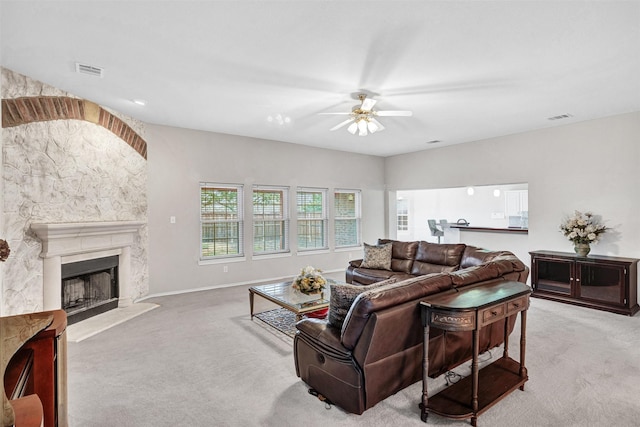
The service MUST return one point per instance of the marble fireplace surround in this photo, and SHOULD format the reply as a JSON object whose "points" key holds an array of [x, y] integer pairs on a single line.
{"points": [[64, 243]]}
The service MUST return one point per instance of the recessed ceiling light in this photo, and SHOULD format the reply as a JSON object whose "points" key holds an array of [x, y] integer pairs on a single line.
{"points": [[140, 102]]}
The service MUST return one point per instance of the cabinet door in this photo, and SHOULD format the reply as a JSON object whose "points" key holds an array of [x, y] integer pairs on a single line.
{"points": [[553, 275], [601, 282]]}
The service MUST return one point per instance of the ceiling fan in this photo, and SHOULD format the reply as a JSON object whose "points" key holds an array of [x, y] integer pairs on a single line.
{"points": [[363, 117]]}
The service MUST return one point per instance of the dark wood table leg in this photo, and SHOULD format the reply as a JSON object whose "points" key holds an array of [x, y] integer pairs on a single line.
{"points": [[523, 344], [251, 294], [425, 369], [474, 379]]}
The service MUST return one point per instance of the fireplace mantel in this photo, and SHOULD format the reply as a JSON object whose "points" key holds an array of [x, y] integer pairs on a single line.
{"points": [[76, 241], [63, 239]]}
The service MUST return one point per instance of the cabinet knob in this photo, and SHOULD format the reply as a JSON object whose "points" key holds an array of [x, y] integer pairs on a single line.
{"points": [[495, 313]]}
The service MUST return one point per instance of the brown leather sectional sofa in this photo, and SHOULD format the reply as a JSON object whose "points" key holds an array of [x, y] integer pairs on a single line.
{"points": [[378, 351]]}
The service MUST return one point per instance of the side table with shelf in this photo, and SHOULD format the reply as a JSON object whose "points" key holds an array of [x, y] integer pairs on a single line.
{"points": [[471, 309], [595, 281]]}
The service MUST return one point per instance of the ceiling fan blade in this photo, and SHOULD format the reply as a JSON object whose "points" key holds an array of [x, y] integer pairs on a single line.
{"points": [[367, 104], [393, 113], [380, 127], [346, 122]]}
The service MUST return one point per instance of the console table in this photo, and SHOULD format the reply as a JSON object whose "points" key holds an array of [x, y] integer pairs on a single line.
{"points": [[470, 309]]}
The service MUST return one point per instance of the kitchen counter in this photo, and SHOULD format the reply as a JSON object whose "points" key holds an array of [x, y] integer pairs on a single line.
{"points": [[490, 229]]}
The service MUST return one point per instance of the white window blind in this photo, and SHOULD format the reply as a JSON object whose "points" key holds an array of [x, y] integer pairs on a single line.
{"points": [[347, 218], [311, 208], [221, 220], [270, 220]]}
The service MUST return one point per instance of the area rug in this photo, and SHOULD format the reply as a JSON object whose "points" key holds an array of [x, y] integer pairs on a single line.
{"points": [[280, 319], [284, 320]]}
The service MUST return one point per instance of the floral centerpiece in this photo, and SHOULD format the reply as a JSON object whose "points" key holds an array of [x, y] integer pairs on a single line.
{"points": [[309, 281], [582, 229]]}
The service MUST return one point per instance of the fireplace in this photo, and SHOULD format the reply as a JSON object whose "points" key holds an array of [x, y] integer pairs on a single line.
{"points": [[72, 252], [89, 287]]}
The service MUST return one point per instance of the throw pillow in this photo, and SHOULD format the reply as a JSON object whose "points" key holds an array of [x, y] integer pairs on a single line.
{"points": [[342, 297], [378, 257]]}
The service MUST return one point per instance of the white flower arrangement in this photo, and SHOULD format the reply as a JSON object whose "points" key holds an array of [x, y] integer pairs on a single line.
{"points": [[309, 281], [582, 228]]}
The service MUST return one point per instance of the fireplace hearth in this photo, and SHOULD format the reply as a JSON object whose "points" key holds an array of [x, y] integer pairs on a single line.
{"points": [[89, 287]]}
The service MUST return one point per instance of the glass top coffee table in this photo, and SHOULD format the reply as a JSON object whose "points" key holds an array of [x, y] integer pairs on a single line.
{"points": [[286, 297]]}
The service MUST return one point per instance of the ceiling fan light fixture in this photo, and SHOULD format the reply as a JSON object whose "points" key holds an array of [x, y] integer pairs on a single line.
{"points": [[363, 117], [362, 127]]}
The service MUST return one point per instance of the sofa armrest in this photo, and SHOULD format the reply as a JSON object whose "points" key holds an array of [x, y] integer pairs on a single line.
{"points": [[323, 337], [355, 263]]}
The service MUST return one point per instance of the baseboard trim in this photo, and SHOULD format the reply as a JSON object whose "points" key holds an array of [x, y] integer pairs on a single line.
{"points": [[226, 285]]}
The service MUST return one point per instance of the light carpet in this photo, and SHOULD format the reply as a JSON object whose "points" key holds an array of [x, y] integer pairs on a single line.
{"points": [[199, 360]]}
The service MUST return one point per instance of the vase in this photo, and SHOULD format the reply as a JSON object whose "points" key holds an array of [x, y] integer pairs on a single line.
{"points": [[582, 249]]}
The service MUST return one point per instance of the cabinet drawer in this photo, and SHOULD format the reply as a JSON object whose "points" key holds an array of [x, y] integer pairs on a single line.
{"points": [[517, 305], [491, 314]]}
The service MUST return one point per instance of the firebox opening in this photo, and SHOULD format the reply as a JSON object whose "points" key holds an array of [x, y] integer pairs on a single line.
{"points": [[89, 287]]}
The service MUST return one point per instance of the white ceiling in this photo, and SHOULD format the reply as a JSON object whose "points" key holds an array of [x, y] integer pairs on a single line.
{"points": [[468, 70]]}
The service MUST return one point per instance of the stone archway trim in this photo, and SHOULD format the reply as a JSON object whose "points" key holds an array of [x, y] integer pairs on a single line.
{"points": [[20, 111]]}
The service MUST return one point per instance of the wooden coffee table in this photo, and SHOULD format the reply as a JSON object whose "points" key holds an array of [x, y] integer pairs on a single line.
{"points": [[286, 297]]}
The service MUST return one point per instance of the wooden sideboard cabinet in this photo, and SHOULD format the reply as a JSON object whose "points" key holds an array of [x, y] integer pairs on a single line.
{"points": [[596, 281]]}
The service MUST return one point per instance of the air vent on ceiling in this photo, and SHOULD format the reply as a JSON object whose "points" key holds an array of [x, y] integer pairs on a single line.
{"points": [[89, 69], [560, 117], [433, 141]]}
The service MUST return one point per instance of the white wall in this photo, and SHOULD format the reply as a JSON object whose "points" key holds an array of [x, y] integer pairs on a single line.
{"points": [[592, 165], [180, 159]]}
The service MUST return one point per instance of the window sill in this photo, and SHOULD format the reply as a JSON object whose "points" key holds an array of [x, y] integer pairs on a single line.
{"points": [[271, 256], [221, 260], [313, 252]]}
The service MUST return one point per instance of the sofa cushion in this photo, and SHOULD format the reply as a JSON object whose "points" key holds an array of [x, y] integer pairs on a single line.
{"points": [[402, 254], [377, 256], [367, 276], [475, 256], [437, 258], [342, 297], [475, 274]]}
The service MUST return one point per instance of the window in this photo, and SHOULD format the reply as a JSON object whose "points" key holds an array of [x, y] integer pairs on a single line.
{"points": [[270, 220], [221, 220], [403, 215], [312, 218], [347, 217]]}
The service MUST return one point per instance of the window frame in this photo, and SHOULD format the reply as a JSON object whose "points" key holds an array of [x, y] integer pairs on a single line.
{"points": [[324, 219], [239, 220], [284, 218], [405, 215], [357, 217]]}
